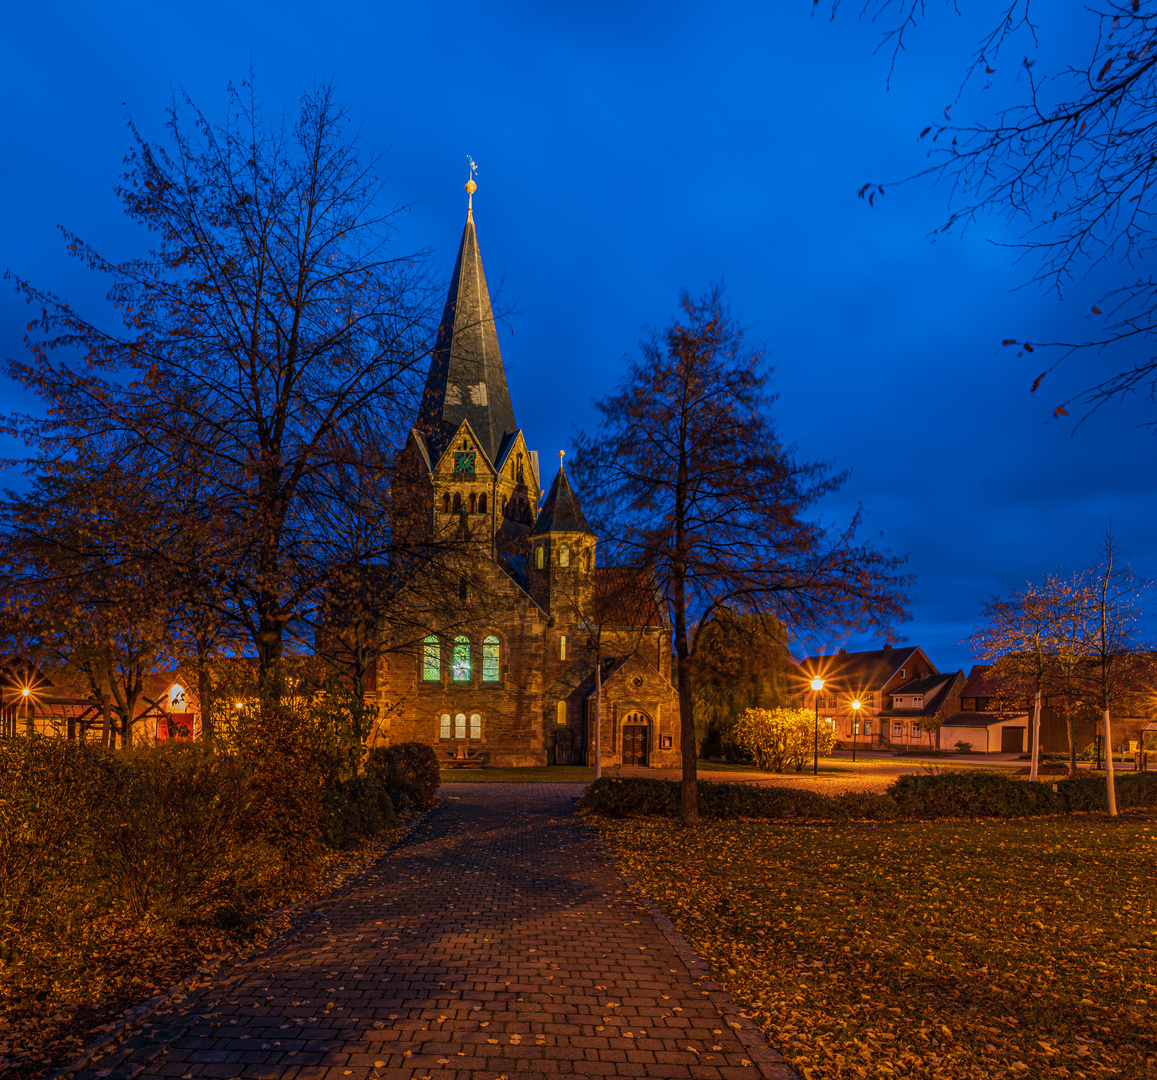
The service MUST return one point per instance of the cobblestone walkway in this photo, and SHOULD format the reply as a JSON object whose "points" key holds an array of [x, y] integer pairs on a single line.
{"points": [[497, 941]]}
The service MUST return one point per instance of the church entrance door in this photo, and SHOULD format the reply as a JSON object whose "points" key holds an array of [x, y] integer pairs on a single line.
{"points": [[635, 731]]}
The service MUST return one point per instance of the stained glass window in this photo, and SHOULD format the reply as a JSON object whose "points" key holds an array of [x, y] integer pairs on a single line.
{"points": [[444, 726], [475, 726], [460, 726], [460, 666], [490, 656], [431, 659]]}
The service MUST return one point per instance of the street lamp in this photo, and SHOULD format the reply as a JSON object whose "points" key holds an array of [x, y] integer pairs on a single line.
{"points": [[855, 725], [817, 686]]}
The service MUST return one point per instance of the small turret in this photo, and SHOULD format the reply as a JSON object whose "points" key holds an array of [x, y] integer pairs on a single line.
{"points": [[561, 557]]}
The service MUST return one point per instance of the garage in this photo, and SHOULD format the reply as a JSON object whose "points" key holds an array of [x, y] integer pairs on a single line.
{"points": [[1012, 740]]}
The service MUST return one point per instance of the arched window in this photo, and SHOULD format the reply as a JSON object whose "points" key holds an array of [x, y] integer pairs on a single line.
{"points": [[564, 556], [562, 647], [457, 502], [460, 666], [431, 659], [560, 713], [475, 726], [491, 653], [446, 503], [444, 726], [482, 503], [538, 557], [460, 726], [473, 503]]}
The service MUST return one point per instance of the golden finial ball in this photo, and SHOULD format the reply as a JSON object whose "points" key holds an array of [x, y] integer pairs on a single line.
{"points": [[471, 187]]}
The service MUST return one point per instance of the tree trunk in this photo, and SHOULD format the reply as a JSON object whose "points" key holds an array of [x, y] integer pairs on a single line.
{"points": [[598, 712], [106, 726], [1110, 785], [205, 698], [1071, 728], [1032, 772]]}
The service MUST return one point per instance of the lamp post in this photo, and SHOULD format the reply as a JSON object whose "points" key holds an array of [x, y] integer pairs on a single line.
{"points": [[855, 725], [817, 686], [29, 727]]}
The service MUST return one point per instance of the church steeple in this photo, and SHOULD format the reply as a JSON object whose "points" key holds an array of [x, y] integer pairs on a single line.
{"points": [[562, 550], [561, 511], [467, 380]]}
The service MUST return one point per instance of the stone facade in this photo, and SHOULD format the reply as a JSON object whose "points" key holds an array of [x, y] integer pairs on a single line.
{"points": [[509, 675]]}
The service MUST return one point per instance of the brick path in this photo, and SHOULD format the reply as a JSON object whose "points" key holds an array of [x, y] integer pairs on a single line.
{"points": [[497, 941]]}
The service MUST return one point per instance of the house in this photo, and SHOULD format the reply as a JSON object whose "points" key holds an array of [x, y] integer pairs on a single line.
{"points": [[901, 694], [505, 671]]}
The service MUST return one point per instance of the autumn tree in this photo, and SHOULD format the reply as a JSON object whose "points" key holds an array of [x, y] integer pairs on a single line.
{"points": [[686, 471], [1067, 152], [271, 312], [741, 663]]}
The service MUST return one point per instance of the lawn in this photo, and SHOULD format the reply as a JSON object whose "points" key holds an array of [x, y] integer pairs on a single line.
{"points": [[941, 950], [536, 774]]}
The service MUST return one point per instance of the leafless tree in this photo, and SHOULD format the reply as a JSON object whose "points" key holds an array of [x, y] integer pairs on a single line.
{"points": [[687, 472]]}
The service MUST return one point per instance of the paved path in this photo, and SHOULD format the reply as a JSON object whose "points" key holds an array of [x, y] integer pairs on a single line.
{"points": [[497, 941]]}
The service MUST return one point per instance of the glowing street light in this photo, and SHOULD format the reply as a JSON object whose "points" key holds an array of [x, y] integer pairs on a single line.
{"points": [[855, 725], [817, 686]]}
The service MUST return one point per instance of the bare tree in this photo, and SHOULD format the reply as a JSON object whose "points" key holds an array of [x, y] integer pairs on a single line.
{"points": [[1072, 161], [687, 472], [272, 313]]}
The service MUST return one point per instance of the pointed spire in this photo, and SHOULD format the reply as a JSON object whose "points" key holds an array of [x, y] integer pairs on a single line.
{"points": [[467, 380], [561, 512]]}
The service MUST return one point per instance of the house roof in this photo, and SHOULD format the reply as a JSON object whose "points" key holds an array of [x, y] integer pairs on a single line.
{"points": [[980, 720], [933, 688], [626, 596], [981, 683], [467, 380], [859, 671], [561, 511]]}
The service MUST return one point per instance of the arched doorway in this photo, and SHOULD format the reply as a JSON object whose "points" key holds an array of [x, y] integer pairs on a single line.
{"points": [[636, 738]]}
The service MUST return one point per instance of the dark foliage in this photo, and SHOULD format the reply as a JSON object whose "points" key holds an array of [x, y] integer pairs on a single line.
{"points": [[971, 794], [1088, 792], [407, 769]]}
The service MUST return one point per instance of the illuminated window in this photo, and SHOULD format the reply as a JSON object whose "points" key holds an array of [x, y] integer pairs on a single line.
{"points": [[460, 666], [560, 713], [491, 651], [564, 556], [460, 726], [431, 659], [538, 557], [444, 726], [867, 727], [562, 647], [475, 726], [177, 698]]}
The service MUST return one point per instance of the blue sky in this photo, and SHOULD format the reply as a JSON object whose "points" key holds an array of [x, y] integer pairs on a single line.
{"points": [[627, 151]]}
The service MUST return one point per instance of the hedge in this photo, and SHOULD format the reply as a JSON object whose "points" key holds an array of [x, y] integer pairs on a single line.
{"points": [[914, 797]]}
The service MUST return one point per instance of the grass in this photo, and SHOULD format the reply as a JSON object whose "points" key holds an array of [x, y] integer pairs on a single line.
{"points": [[536, 774], [940, 950]]}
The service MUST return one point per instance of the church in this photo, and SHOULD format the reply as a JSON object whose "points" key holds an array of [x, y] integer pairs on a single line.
{"points": [[517, 679]]}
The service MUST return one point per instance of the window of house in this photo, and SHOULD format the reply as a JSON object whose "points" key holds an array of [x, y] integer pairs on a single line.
{"points": [[867, 727], [560, 713], [475, 726], [562, 647], [431, 659], [564, 556], [869, 698], [473, 503], [482, 503], [538, 557], [902, 673], [897, 728], [444, 726], [460, 666], [491, 654], [460, 726]]}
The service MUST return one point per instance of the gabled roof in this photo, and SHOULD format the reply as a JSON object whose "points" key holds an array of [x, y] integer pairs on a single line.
{"points": [[467, 380], [981, 683], [933, 688], [859, 671], [561, 511], [626, 596]]}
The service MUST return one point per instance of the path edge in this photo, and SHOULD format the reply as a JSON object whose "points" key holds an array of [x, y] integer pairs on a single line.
{"points": [[764, 1056]]}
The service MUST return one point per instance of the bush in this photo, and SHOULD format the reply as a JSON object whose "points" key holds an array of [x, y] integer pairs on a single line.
{"points": [[972, 793], [963, 747], [356, 809], [777, 738], [1087, 793], [409, 770]]}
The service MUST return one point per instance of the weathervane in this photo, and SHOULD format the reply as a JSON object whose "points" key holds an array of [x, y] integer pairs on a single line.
{"points": [[471, 187]]}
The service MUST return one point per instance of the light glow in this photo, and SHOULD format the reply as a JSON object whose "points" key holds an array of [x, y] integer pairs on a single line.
{"points": [[856, 703], [817, 683]]}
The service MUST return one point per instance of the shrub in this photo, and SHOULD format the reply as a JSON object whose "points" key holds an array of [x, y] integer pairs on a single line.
{"points": [[971, 794], [777, 738], [356, 809], [1087, 793], [963, 747], [171, 840], [405, 769]]}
